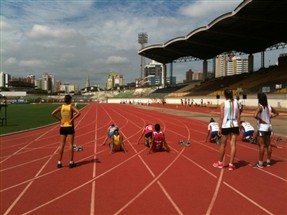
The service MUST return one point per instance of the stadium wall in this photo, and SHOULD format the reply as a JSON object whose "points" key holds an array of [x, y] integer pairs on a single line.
{"points": [[275, 100]]}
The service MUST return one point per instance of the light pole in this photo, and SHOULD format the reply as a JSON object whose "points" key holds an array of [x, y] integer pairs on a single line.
{"points": [[142, 39]]}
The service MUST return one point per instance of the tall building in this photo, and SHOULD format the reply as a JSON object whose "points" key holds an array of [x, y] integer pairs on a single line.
{"points": [[229, 64], [4, 79], [188, 75], [114, 81]]}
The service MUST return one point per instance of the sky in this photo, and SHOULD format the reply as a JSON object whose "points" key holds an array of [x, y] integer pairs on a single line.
{"points": [[79, 39]]}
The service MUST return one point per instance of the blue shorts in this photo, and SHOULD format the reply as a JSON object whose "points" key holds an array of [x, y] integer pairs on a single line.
{"points": [[111, 134], [213, 134], [248, 133]]}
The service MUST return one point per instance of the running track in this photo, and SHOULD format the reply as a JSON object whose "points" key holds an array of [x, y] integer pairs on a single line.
{"points": [[180, 182]]}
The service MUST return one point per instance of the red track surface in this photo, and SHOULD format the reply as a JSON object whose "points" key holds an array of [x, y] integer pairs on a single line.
{"points": [[180, 182]]}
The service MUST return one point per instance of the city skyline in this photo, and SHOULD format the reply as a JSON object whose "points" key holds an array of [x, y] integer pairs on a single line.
{"points": [[78, 39]]}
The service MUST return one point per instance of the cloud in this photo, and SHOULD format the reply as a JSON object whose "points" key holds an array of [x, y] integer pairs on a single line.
{"points": [[33, 63], [117, 60]]}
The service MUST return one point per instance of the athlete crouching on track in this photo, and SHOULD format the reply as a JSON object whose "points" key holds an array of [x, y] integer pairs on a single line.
{"points": [[110, 133], [67, 131], [229, 123], [117, 143], [158, 143], [147, 133]]}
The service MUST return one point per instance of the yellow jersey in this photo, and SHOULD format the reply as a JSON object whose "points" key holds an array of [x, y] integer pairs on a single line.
{"points": [[117, 140], [66, 115]]}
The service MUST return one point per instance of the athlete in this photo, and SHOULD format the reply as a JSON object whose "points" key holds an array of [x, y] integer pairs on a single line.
{"points": [[263, 114], [147, 133], [247, 132], [158, 143], [229, 123], [110, 132], [212, 132], [117, 143], [68, 113]]}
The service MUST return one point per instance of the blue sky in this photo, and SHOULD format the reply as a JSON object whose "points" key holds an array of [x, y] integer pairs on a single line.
{"points": [[76, 39]]}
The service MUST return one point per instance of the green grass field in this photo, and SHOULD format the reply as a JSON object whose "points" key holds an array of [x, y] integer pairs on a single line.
{"points": [[27, 116]]}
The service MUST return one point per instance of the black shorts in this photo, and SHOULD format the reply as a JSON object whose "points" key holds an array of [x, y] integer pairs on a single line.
{"points": [[264, 133], [148, 135], [226, 131], [67, 130]]}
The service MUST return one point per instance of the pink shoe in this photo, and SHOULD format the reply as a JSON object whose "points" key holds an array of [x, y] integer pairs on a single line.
{"points": [[218, 165], [231, 166]]}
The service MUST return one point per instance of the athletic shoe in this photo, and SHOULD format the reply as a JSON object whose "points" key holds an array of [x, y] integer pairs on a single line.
{"points": [[72, 165], [218, 165], [59, 165], [259, 166], [231, 166], [268, 164]]}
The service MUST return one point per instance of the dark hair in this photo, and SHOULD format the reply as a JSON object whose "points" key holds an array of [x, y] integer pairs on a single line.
{"points": [[68, 98], [157, 127], [211, 120], [228, 94], [262, 99]]}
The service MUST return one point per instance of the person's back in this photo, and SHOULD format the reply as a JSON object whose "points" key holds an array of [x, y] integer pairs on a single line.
{"points": [[158, 140]]}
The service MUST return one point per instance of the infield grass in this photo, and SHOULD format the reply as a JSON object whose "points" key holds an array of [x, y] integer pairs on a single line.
{"points": [[28, 116]]}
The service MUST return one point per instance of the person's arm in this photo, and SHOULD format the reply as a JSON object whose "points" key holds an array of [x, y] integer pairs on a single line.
{"points": [[274, 113], [151, 145], [165, 143], [55, 113], [108, 132], [256, 115], [76, 115], [208, 133], [140, 137], [122, 143], [221, 118]]}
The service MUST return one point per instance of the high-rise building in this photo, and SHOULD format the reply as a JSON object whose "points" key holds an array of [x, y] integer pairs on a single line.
{"points": [[4, 79], [229, 64]]}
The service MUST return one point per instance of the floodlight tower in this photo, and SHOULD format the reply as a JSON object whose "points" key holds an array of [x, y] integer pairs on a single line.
{"points": [[142, 39]]}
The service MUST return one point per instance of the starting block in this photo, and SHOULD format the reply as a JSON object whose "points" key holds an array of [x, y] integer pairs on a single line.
{"points": [[185, 144], [77, 148]]}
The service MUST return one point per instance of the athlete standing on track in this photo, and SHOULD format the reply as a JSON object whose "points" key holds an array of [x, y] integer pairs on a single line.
{"points": [[263, 114], [147, 133], [158, 141], [67, 131], [229, 123]]}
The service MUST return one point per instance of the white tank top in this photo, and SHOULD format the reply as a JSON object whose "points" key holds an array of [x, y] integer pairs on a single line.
{"points": [[231, 112], [265, 115]]}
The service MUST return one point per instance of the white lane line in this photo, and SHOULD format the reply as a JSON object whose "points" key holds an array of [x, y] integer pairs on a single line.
{"points": [[214, 197], [247, 198], [92, 209], [150, 184], [82, 185]]}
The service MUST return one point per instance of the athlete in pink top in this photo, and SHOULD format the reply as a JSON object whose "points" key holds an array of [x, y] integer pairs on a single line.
{"points": [[147, 133]]}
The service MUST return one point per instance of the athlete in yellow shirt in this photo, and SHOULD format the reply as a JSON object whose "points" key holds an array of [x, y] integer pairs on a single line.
{"points": [[68, 113], [117, 143]]}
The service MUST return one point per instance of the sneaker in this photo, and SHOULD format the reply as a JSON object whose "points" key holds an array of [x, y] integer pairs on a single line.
{"points": [[72, 165], [259, 166], [268, 164], [59, 165], [231, 166], [218, 165]]}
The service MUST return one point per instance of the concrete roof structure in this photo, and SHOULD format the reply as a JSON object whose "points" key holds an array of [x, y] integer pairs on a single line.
{"points": [[252, 27]]}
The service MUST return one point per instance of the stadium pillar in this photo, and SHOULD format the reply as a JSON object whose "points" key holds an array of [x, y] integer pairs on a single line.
{"points": [[164, 75], [171, 73], [204, 75], [250, 63]]}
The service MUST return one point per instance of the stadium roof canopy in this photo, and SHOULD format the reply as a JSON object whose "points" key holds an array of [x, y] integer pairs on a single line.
{"points": [[252, 27]]}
